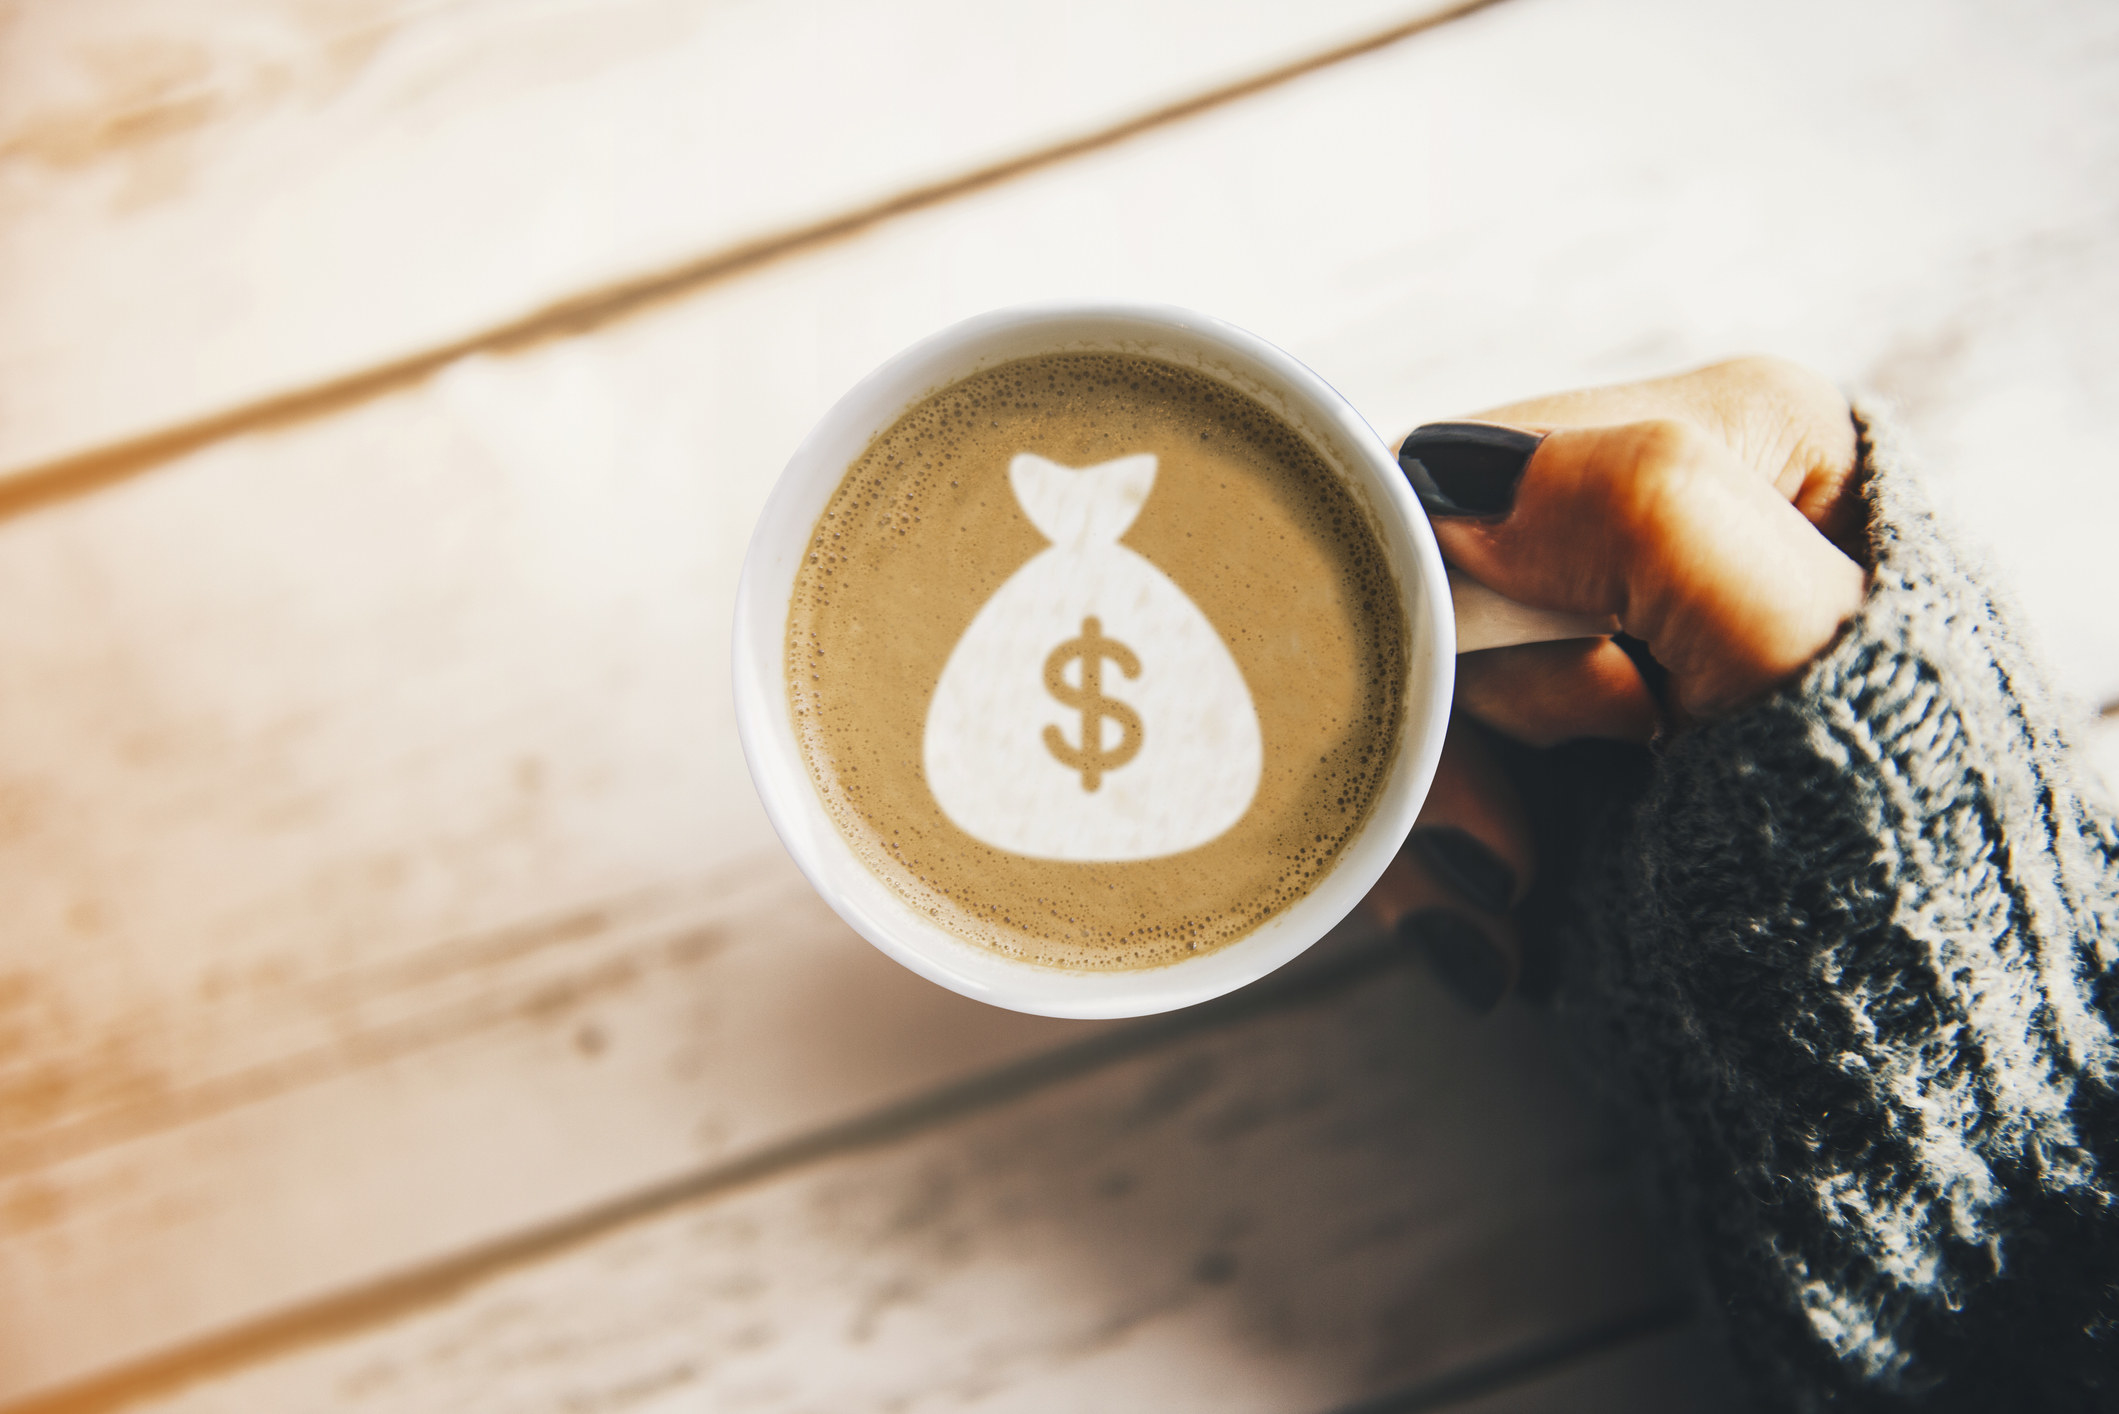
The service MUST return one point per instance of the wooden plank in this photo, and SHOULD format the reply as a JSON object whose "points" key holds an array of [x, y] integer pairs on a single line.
{"points": [[669, 1038], [1678, 1370], [202, 206], [418, 710], [1306, 1208]]}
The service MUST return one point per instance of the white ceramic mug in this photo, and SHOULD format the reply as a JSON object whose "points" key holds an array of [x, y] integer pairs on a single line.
{"points": [[1445, 616]]}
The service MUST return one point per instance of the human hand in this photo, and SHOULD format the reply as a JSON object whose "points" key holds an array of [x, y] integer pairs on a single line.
{"points": [[1714, 516]]}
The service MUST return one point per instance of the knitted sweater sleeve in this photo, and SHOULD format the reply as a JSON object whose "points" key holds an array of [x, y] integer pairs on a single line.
{"points": [[1854, 949]]}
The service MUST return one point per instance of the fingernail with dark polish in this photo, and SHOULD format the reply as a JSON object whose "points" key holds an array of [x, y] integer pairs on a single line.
{"points": [[1466, 865], [1466, 468], [1468, 964]]}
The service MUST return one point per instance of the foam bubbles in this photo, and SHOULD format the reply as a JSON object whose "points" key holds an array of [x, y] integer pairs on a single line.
{"points": [[1249, 520]]}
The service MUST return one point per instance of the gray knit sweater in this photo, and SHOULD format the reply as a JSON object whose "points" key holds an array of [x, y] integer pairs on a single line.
{"points": [[1852, 952]]}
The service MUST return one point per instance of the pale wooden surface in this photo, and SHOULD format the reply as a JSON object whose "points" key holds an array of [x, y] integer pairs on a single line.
{"points": [[293, 192], [383, 879], [1257, 1217]]}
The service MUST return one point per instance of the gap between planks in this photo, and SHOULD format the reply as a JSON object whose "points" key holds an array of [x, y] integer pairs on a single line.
{"points": [[42, 484], [643, 927]]}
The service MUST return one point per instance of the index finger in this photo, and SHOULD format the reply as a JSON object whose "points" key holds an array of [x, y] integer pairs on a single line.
{"points": [[1778, 419]]}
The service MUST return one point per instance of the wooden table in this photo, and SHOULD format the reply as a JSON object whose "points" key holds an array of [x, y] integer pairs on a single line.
{"points": [[403, 1003]]}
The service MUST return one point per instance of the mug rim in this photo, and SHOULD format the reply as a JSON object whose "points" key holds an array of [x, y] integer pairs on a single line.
{"points": [[764, 720]]}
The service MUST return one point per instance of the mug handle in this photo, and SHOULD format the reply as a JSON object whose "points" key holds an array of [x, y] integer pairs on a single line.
{"points": [[1486, 620]]}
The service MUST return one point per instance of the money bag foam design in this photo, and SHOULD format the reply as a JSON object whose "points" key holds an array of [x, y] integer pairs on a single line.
{"points": [[1091, 712]]}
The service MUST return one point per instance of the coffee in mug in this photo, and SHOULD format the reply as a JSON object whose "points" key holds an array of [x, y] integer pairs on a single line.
{"points": [[1095, 661]]}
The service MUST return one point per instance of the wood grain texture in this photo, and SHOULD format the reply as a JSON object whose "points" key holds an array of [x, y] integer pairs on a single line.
{"points": [[1680, 1370], [367, 784], [205, 206], [633, 1053], [1345, 1198]]}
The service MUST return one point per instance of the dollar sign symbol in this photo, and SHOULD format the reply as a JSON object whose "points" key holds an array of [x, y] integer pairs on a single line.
{"points": [[1092, 758]]}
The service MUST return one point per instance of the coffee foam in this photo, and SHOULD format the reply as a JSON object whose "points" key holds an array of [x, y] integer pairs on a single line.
{"points": [[1245, 516]]}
